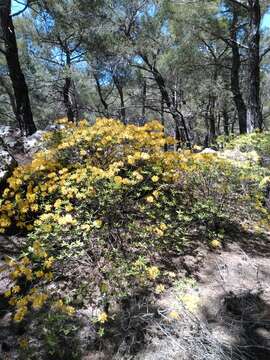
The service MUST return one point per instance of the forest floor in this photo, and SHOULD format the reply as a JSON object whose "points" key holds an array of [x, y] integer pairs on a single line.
{"points": [[219, 309]]}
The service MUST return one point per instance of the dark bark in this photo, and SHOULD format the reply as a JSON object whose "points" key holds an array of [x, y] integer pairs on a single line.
{"points": [[175, 113], [100, 94], [235, 74], [212, 119], [23, 107], [255, 119], [225, 120], [67, 91], [119, 88], [144, 94], [163, 122], [11, 99]]}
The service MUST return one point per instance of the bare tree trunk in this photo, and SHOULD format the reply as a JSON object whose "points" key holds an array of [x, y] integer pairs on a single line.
{"points": [[212, 119], [67, 91], [225, 120], [144, 94], [101, 97], [235, 71], [255, 120], [176, 114], [163, 121], [23, 108], [119, 88]]}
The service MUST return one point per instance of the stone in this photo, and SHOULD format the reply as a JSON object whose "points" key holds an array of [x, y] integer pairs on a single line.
{"points": [[209, 151], [7, 165], [11, 137], [32, 143]]}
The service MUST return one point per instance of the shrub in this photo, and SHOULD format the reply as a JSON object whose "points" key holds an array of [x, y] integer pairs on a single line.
{"points": [[256, 141], [104, 203]]}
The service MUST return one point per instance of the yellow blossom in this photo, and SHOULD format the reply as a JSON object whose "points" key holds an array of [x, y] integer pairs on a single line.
{"points": [[150, 199], [97, 224], [155, 178], [160, 288], [145, 156], [20, 314], [174, 315], [49, 262], [153, 272], [102, 317], [39, 274], [215, 244], [23, 343]]}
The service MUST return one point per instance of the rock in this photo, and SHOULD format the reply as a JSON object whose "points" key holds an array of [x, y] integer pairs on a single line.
{"points": [[209, 151], [32, 143], [7, 164], [11, 137], [265, 161], [5, 281], [237, 155]]}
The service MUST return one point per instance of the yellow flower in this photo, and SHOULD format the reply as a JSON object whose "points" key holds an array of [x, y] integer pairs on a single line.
{"points": [[118, 180], [7, 293], [38, 300], [48, 208], [153, 272], [68, 207], [34, 207], [215, 244], [49, 262], [39, 274], [23, 343], [163, 226], [48, 276], [12, 301], [85, 227], [150, 199], [160, 288], [145, 156], [174, 315], [97, 224], [57, 204], [131, 160], [83, 152], [155, 178], [15, 274], [102, 318], [20, 314], [65, 220], [69, 310], [16, 289]]}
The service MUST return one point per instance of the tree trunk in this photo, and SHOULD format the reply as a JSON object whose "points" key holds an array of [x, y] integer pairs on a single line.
{"points": [[254, 113], [23, 108], [67, 91], [176, 115], [101, 97], [235, 71], [144, 94], [225, 120], [212, 119], [122, 100]]}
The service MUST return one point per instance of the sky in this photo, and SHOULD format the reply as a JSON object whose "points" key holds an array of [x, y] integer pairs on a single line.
{"points": [[265, 22]]}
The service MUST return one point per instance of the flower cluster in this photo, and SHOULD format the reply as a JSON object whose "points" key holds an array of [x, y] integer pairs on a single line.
{"points": [[105, 194]]}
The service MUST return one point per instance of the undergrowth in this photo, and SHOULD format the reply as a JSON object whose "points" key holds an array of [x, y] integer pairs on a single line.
{"points": [[102, 206]]}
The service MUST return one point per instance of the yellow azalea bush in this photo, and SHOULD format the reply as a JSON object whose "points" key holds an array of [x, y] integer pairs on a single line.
{"points": [[102, 204]]}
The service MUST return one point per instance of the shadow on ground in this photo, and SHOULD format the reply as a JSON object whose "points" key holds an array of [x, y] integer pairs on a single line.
{"points": [[246, 318]]}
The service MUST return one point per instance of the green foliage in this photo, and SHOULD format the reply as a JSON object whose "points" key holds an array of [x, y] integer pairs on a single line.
{"points": [[103, 205], [256, 141]]}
